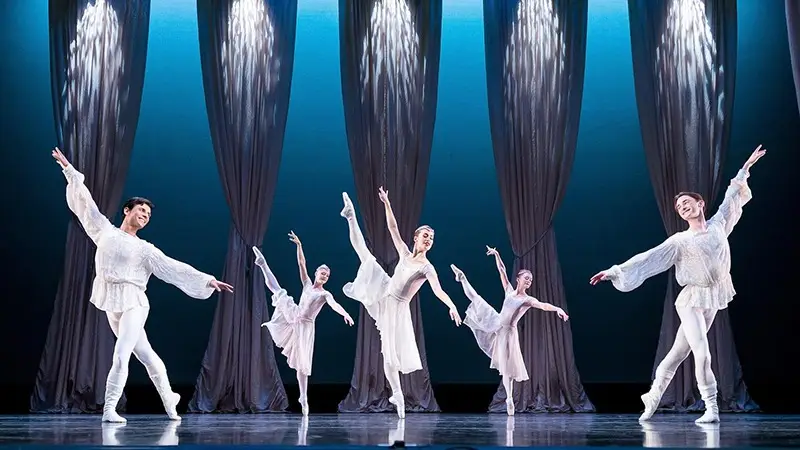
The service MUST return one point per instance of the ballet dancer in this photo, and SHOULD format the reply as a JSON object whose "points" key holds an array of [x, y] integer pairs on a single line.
{"points": [[497, 334], [702, 259], [123, 265], [386, 299], [292, 324]]}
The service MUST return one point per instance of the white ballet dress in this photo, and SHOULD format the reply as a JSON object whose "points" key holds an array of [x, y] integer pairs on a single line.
{"points": [[292, 325], [386, 300], [496, 333]]}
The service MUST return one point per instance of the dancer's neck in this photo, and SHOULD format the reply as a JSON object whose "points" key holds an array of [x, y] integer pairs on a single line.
{"points": [[698, 224], [128, 229]]}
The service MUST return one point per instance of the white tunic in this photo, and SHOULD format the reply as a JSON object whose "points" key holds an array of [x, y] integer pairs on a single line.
{"points": [[702, 259], [123, 262]]}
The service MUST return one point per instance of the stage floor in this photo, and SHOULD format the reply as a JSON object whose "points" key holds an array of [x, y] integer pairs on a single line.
{"points": [[488, 430]]}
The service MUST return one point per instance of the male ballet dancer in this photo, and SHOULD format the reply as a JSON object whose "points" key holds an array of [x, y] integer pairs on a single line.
{"points": [[123, 265], [702, 259]]}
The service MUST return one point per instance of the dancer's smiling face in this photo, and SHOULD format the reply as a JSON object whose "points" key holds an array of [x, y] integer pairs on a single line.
{"points": [[423, 238], [689, 205], [136, 212]]}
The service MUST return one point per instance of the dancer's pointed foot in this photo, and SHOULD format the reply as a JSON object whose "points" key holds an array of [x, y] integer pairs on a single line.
{"points": [[348, 211], [459, 273], [510, 406], [259, 257], [304, 405], [398, 401], [650, 406], [171, 404]]}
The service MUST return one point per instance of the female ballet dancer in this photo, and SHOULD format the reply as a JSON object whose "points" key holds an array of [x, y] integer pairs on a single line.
{"points": [[386, 299], [702, 259], [497, 334], [292, 324], [123, 266]]}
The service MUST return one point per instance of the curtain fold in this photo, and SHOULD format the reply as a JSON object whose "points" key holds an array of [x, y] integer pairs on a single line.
{"points": [[535, 60], [684, 61], [247, 56], [98, 52], [793, 28], [389, 52]]}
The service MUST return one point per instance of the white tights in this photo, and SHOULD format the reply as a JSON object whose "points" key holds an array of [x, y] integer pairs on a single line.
{"points": [[360, 246], [128, 327], [692, 337]]}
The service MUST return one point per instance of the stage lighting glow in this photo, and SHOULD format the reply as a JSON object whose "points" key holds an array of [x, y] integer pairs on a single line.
{"points": [[687, 55], [94, 55], [391, 54], [248, 59], [534, 62]]}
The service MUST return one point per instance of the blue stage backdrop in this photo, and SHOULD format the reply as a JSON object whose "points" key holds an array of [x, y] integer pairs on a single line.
{"points": [[609, 212]]}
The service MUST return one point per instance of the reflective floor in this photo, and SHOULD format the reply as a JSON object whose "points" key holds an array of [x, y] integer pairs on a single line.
{"points": [[666, 430]]}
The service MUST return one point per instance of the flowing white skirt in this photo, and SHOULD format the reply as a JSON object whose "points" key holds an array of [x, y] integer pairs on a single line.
{"points": [[392, 316], [498, 340], [292, 332]]}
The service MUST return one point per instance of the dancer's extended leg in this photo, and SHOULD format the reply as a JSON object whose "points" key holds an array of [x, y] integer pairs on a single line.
{"points": [[508, 384], [156, 369], [356, 237], [664, 372], [302, 382], [130, 325], [696, 322], [269, 277], [393, 377]]}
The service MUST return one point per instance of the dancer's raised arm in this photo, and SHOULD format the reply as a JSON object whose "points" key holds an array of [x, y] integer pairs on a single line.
{"points": [[191, 281], [80, 200], [301, 259], [737, 195], [548, 307], [338, 308], [391, 223], [500, 267], [436, 287]]}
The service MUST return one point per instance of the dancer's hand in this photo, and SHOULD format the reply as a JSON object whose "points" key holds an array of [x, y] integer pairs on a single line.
{"points": [[383, 195], [348, 320], [220, 286], [456, 318], [60, 158], [600, 276], [293, 237], [491, 251], [459, 273], [562, 314], [755, 156]]}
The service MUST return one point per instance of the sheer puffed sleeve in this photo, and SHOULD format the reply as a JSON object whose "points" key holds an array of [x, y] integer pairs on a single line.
{"points": [[181, 275], [736, 196], [633, 272], [81, 203]]}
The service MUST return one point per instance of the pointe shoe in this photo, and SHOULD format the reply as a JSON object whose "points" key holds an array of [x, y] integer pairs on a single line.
{"points": [[510, 407], [399, 402], [171, 406], [458, 272], [348, 210], [304, 406]]}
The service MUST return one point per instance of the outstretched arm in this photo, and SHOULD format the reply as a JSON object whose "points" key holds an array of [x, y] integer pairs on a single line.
{"points": [[500, 267], [436, 287], [80, 200], [548, 307], [633, 272], [191, 281], [391, 223], [737, 195], [269, 277], [301, 259], [338, 308]]}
